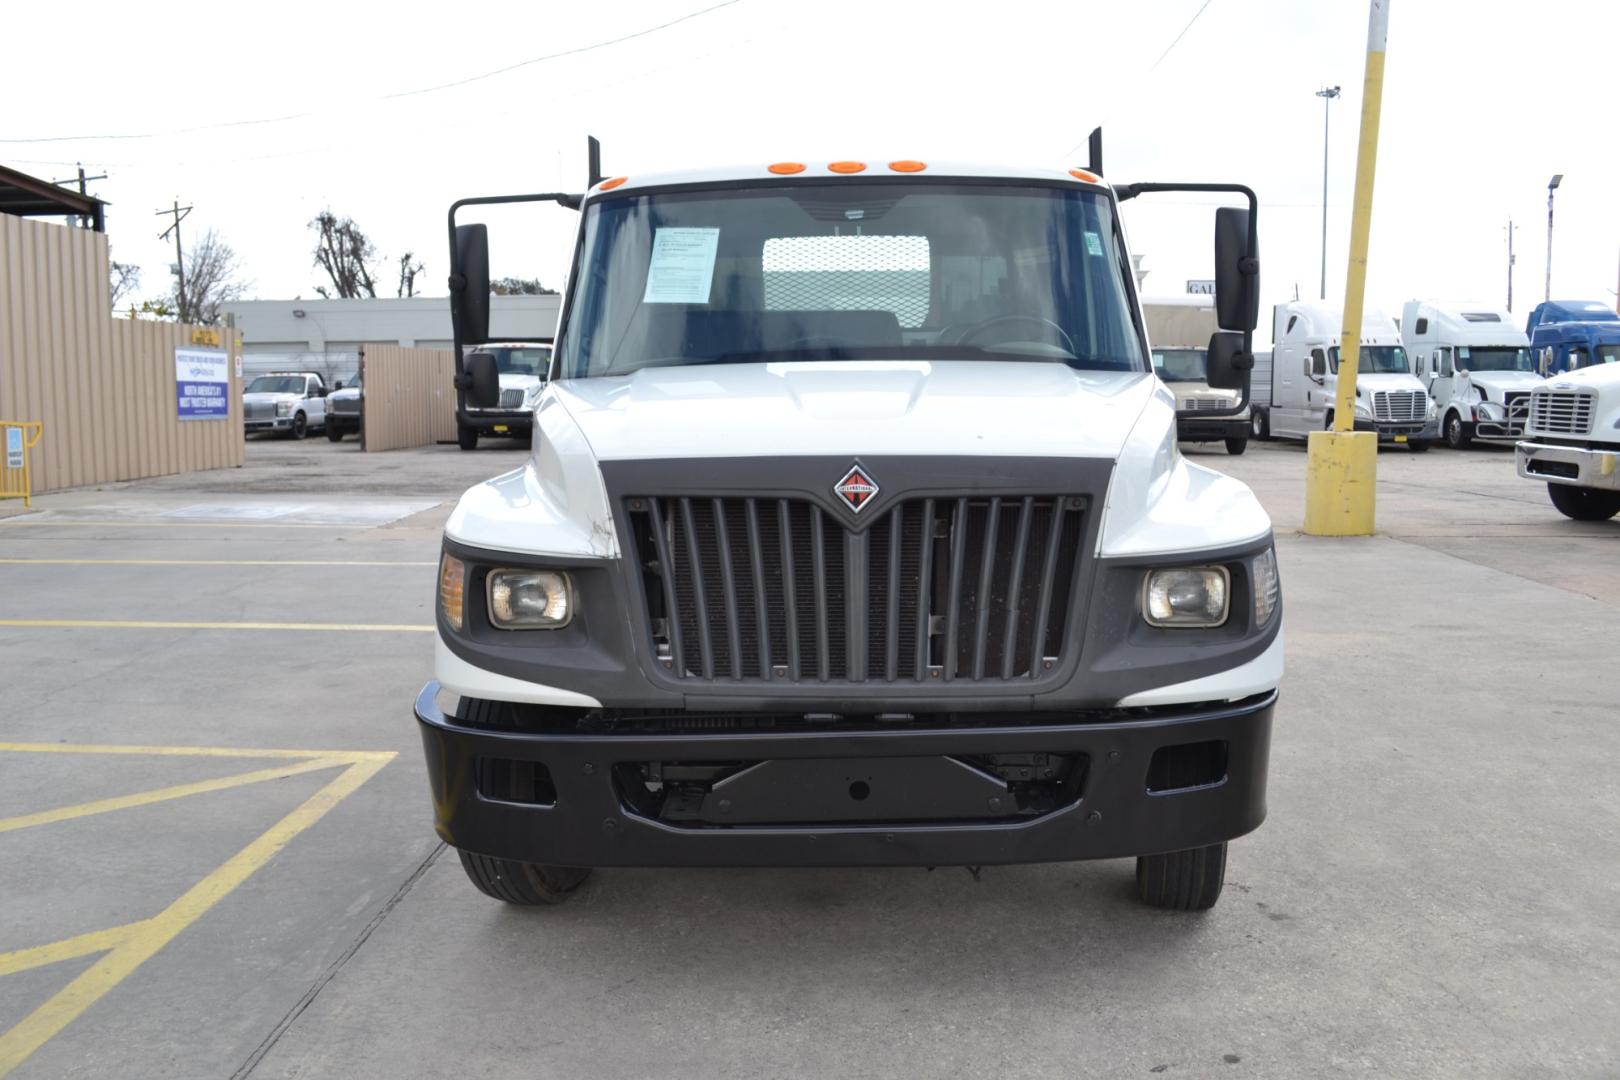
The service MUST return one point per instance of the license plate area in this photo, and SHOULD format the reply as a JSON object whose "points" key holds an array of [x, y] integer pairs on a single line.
{"points": [[875, 791]]}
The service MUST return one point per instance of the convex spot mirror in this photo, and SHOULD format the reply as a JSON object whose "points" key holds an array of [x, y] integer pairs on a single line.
{"points": [[483, 380], [1237, 271], [1229, 361]]}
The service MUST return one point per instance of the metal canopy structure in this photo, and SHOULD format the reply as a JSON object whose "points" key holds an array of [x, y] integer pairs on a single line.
{"points": [[29, 196]]}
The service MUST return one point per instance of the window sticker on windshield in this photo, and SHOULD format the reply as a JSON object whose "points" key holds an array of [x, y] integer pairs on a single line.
{"points": [[1093, 243], [682, 267]]}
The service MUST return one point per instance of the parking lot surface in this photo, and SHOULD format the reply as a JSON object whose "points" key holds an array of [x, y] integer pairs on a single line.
{"points": [[221, 861]]}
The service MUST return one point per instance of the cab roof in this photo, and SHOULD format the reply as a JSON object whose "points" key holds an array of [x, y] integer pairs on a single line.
{"points": [[844, 171]]}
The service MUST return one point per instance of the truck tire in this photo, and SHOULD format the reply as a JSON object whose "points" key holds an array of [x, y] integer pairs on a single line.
{"points": [[1236, 446], [333, 432], [525, 884], [1182, 880], [1260, 426], [1457, 434], [508, 880], [467, 438], [300, 426], [1584, 504]]}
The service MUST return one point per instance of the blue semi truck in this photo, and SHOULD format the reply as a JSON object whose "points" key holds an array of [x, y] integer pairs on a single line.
{"points": [[1566, 335]]}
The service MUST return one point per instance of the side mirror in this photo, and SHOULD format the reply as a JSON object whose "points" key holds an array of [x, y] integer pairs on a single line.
{"points": [[1229, 362], [483, 379], [338, 385], [469, 285], [1237, 272]]}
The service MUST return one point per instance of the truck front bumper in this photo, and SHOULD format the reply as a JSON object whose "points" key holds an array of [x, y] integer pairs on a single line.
{"points": [[506, 422], [1572, 465], [1213, 428], [280, 423], [1391, 430], [1149, 781]]}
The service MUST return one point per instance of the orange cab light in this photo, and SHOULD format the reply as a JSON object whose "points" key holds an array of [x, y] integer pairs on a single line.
{"points": [[908, 166], [609, 185], [847, 167], [1088, 177], [786, 168]]}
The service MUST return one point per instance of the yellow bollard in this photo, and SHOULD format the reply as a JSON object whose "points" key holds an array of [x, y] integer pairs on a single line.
{"points": [[1341, 472]]}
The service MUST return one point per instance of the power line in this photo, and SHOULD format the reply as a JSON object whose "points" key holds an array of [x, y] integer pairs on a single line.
{"points": [[389, 97]]}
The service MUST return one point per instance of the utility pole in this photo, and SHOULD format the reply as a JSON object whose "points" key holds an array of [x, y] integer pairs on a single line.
{"points": [[84, 189], [1327, 94], [1511, 260], [179, 213], [1552, 186]]}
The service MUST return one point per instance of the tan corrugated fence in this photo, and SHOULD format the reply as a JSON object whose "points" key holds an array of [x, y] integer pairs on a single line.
{"points": [[409, 397], [104, 388]]}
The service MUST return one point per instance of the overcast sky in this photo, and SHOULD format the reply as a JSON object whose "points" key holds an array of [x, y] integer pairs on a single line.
{"points": [[262, 116]]}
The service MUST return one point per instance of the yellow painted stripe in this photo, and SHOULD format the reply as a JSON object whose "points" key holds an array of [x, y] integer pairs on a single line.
{"points": [[14, 522], [345, 756], [67, 949], [149, 624], [209, 562], [157, 795], [146, 938]]}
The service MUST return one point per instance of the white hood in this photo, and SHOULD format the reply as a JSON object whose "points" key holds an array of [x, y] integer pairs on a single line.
{"points": [[858, 407], [1505, 381], [262, 398]]}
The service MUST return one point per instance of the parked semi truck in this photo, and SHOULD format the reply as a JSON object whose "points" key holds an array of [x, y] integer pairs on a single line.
{"points": [[1304, 379], [1476, 364], [1178, 328], [854, 533], [1572, 441], [1567, 335]]}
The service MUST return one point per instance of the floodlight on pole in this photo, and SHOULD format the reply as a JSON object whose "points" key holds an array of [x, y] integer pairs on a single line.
{"points": [[1327, 94], [1552, 186]]}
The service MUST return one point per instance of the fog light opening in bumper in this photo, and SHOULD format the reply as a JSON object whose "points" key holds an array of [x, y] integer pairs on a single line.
{"points": [[1186, 766], [507, 780]]}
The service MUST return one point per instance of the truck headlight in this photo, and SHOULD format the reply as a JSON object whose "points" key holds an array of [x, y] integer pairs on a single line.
{"points": [[1433, 409], [1488, 410], [452, 590], [529, 599], [1363, 412], [1267, 586], [284, 408], [1186, 597]]}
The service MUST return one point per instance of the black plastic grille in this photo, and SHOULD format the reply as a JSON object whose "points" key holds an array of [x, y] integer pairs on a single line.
{"points": [[935, 590]]}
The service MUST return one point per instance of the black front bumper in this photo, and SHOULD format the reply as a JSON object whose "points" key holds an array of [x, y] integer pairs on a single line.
{"points": [[514, 422], [589, 821], [1204, 430]]}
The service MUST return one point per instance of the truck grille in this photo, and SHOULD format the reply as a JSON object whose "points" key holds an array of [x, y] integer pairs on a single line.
{"points": [[935, 590], [1400, 405], [259, 410], [1196, 403], [511, 399], [345, 405], [1562, 412]]}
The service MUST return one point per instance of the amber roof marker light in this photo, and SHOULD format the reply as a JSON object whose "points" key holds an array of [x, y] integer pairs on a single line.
{"points": [[786, 168], [609, 185], [1088, 177], [908, 166], [847, 167]]}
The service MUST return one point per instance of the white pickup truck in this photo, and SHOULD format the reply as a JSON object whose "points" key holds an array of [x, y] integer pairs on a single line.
{"points": [[1572, 441], [855, 532], [291, 402]]}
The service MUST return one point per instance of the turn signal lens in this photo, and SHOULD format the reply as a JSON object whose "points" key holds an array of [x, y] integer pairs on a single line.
{"points": [[847, 167], [1195, 596], [453, 590], [609, 185], [529, 599], [786, 168], [1267, 587], [1088, 177], [908, 166]]}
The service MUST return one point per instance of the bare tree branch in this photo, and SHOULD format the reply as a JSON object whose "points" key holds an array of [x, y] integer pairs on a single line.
{"points": [[123, 279], [409, 267], [211, 280], [513, 286], [343, 251]]}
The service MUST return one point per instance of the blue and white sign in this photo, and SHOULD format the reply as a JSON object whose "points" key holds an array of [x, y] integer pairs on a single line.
{"points": [[14, 448], [202, 384]]}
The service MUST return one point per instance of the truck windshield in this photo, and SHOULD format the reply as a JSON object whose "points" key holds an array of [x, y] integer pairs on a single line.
{"points": [[1180, 365], [529, 360], [276, 384], [850, 271], [1494, 359], [1376, 360]]}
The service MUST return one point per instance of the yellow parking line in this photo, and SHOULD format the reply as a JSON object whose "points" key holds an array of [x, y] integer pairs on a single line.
{"points": [[209, 562], [347, 757], [14, 522], [136, 943], [177, 791], [148, 624], [67, 949]]}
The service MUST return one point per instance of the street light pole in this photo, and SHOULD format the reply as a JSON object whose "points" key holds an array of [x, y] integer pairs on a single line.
{"points": [[1552, 186], [1327, 94]]}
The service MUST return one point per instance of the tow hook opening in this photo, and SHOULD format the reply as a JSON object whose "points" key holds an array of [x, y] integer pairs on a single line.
{"points": [[1186, 766]]}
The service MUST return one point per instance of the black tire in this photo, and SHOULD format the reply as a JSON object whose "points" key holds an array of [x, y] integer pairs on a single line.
{"points": [[1417, 446], [300, 426], [1236, 446], [508, 880], [466, 437], [1457, 434], [1584, 504], [333, 432], [1260, 426], [1182, 880], [525, 884]]}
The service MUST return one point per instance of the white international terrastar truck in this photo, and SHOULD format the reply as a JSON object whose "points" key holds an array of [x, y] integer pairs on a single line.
{"points": [[854, 533], [1572, 441]]}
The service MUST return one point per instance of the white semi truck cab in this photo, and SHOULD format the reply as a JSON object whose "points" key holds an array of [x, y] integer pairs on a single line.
{"points": [[1305, 378], [854, 533], [1476, 364], [1572, 441]]}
